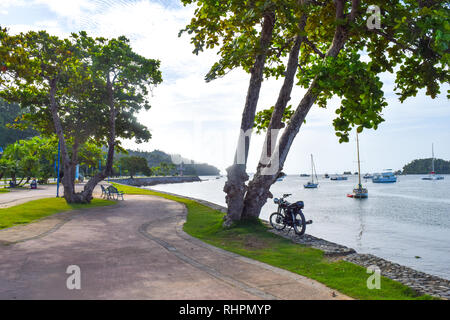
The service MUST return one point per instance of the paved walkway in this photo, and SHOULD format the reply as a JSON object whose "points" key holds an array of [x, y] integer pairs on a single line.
{"points": [[22, 195], [137, 250]]}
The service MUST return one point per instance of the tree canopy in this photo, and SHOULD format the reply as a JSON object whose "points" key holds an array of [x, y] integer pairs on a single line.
{"points": [[81, 88], [423, 166], [11, 113], [332, 48], [133, 165]]}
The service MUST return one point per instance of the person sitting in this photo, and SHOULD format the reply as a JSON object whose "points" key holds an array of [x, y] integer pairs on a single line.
{"points": [[12, 184], [33, 184]]}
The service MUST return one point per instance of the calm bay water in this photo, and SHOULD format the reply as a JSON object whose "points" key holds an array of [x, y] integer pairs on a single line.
{"points": [[398, 222]]}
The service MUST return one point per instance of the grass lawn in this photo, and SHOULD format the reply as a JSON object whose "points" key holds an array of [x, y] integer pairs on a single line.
{"points": [[252, 240], [36, 209], [4, 190]]}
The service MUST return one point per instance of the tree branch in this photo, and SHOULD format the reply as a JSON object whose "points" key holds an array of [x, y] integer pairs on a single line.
{"points": [[313, 46]]}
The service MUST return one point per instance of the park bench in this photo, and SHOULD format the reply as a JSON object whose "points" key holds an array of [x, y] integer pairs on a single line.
{"points": [[114, 193], [104, 191]]}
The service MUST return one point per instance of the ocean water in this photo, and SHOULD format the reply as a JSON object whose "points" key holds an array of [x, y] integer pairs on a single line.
{"points": [[407, 222]]}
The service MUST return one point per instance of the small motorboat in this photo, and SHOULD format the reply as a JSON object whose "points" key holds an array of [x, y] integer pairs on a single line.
{"points": [[368, 176], [338, 178], [326, 176]]}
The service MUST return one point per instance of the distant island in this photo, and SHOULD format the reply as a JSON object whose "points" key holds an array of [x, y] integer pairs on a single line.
{"points": [[190, 168], [423, 166]]}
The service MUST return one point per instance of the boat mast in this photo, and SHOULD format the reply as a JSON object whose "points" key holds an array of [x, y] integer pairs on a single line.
{"points": [[359, 163], [312, 169], [432, 158]]}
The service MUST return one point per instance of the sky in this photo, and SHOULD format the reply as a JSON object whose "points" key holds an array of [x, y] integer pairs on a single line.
{"points": [[201, 120]]}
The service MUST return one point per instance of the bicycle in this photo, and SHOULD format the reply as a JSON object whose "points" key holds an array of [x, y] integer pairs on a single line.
{"points": [[289, 214]]}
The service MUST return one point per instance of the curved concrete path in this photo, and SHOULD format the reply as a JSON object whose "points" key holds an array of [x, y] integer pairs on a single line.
{"points": [[137, 250], [22, 195]]}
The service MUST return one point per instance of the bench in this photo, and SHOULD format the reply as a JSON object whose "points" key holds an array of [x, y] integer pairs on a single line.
{"points": [[114, 193], [104, 191]]}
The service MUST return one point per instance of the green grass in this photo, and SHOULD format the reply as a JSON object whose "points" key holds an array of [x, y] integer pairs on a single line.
{"points": [[4, 190], [36, 209], [252, 240]]}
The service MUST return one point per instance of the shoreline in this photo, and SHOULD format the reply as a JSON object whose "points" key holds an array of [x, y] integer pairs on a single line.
{"points": [[151, 181], [419, 281]]}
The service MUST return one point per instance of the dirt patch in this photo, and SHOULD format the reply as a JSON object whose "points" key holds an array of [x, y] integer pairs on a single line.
{"points": [[252, 242]]}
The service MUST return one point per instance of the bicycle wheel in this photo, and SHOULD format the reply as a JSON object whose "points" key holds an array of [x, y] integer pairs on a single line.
{"points": [[277, 221], [299, 223]]}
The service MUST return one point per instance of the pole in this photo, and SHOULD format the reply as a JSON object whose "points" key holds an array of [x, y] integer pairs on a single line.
{"points": [[56, 166], [432, 158], [57, 173], [100, 165], [77, 172]]}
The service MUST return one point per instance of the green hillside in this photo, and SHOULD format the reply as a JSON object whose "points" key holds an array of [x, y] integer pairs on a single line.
{"points": [[156, 157], [423, 166]]}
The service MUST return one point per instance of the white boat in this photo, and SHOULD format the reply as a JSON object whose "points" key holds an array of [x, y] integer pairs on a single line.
{"points": [[359, 192], [312, 184], [385, 177], [433, 175]]}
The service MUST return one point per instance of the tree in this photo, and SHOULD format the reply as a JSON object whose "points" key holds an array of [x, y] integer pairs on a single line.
{"points": [[134, 165], [423, 166], [333, 49], [10, 113], [166, 168], [83, 89], [28, 158]]}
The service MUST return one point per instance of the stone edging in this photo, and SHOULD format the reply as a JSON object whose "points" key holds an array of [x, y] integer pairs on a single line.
{"points": [[420, 282]]}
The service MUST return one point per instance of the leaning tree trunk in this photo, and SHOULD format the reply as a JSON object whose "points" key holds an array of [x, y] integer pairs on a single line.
{"points": [[258, 191], [69, 190], [88, 190], [259, 187], [235, 187]]}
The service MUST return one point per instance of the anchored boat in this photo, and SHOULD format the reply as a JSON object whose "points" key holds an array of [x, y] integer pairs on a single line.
{"points": [[385, 177], [311, 184], [433, 175], [359, 192], [338, 178]]}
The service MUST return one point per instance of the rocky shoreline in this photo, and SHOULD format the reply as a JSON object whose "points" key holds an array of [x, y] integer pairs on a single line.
{"points": [[421, 282], [151, 181]]}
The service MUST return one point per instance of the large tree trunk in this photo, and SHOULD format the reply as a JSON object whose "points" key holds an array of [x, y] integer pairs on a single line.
{"points": [[68, 165], [92, 183], [235, 187], [259, 187]]}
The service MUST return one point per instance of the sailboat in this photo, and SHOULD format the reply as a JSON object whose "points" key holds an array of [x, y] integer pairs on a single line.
{"points": [[311, 184], [359, 192], [432, 175]]}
